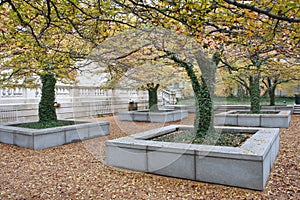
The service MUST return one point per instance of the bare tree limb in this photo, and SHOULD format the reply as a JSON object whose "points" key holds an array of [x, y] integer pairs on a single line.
{"points": [[262, 11]]}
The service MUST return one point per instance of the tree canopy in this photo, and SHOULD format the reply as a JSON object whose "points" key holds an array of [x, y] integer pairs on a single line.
{"points": [[36, 34], [56, 33]]}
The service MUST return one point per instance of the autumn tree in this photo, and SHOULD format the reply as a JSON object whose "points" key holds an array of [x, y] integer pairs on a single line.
{"points": [[24, 62], [223, 22], [45, 39], [251, 40], [163, 47], [284, 71], [23, 68], [258, 62], [130, 60]]}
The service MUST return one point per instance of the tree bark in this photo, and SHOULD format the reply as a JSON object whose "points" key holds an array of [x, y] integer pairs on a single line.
{"points": [[241, 93], [152, 92], [203, 122], [254, 94], [46, 106], [208, 70], [271, 93]]}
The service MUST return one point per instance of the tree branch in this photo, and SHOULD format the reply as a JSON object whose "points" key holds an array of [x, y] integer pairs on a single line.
{"points": [[261, 11], [24, 22], [3, 2]]}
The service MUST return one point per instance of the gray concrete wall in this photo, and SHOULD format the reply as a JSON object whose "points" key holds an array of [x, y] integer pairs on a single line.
{"points": [[247, 166], [37, 139]]}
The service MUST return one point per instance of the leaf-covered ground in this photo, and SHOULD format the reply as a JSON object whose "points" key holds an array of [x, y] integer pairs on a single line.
{"points": [[78, 171]]}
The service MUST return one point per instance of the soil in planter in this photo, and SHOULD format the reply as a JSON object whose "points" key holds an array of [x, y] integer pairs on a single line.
{"points": [[42, 125], [218, 139]]}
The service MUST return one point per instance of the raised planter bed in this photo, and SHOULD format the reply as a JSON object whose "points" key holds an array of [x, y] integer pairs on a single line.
{"points": [[189, 108], [223, 108], [146, 116], [247, 166], [280, 119], [37, 139]]}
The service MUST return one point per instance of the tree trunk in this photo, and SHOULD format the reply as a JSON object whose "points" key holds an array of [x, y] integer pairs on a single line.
{"points": [[207, 91], [46, 106], [241, 93], [254, 94], [271, 93], [152, 92], [272, 84], [203, 116]]}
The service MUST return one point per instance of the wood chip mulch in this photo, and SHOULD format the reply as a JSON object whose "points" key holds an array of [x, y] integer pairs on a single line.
{"points": [[78, 171]]}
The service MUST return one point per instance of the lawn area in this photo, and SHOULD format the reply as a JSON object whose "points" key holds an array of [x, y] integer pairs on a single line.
{"points": [[78, 171], [237, 101]]}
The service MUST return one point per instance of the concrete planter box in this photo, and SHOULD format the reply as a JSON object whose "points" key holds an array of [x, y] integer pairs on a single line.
{"points": [[247, 166], [145, 116], [189, 108], [280, 119], [279, 108], [37, 139], [223, 108]]}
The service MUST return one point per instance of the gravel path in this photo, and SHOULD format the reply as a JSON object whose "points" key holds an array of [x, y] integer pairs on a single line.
{"points": [[78, 171]]}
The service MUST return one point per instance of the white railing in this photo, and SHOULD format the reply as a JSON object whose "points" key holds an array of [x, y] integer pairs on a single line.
{"points": [[169, 97], [21, 104], [68, 91], [11, 92], [8, 114]]}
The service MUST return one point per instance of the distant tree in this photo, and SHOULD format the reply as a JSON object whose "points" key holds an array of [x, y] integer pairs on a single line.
{"points": [[277, 73], [163, 47], [130, 60], [153, 100]]}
